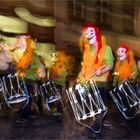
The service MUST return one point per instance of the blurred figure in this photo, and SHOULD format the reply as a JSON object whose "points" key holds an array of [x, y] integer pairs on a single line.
{"points": [[7, 65], [32, 69], [97, 57], [60, 69], [125, 65], [30, 65], [19, 47], [61, 72], [7, 62]]}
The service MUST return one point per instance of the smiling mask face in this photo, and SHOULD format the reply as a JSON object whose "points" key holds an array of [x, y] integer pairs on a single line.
{"points": [[121, 52], [90, 35], [21, 42]]}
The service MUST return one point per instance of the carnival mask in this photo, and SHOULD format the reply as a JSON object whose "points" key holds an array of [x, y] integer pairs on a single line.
{"points": [[21, 43], [121, 52], [90, 35]]}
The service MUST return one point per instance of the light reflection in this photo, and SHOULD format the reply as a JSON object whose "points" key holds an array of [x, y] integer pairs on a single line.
{"points": [[12, 24], [34, 19]]}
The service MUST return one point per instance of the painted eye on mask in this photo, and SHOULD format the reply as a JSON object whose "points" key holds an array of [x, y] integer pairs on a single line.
{"points": [[121, 51], [90, 33]]}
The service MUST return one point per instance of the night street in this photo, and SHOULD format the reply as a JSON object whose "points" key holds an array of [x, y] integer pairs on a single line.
{"points": [[69, 69]]}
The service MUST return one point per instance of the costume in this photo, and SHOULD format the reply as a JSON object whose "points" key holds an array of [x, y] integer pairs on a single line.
{"points": [[31, 68], [96, 54], [125, 65], [96, 64], [29, 65], [61, 73], [61, 69], [98, 59]]}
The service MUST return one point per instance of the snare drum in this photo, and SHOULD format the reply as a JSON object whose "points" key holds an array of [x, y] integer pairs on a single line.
{"points": [[14, 91], [86, 102], [126, 99], [51, 94]]}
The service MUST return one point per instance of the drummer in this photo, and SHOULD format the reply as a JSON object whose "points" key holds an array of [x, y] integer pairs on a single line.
{"points": [[98, 59], [60, 72], [125, 65], [32, 69]]}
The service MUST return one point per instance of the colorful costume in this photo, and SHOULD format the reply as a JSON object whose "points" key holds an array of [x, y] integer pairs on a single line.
{"points": [[20, 47], [61, 69], [31, 68], [29, 45], [125, 65], [96, 54], [30, 65]]}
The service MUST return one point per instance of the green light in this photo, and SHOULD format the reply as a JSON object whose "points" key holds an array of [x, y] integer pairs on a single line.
{"points": [[38, 20], [12, 24]]}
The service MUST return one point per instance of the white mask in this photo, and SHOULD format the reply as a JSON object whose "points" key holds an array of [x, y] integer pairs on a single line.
{"points": [[121, 52], [90, 35]]}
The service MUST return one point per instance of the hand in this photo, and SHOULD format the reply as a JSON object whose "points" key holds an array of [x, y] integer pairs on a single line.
{"points": [[113, 85], [21, 74], [98, 72], [131, 78], [81, 79], [41, 73]]}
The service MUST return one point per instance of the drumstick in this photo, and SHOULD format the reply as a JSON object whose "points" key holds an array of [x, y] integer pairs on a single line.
{"points": [[132, 74], [94, 73], [127, 78]]}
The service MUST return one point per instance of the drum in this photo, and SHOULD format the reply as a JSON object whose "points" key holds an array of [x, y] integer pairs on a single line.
{"points": [[50, 94], [126, 98], [14, 91], [86, 102]]}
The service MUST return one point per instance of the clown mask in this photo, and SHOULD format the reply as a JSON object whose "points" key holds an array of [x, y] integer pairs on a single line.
{"points": [[90, 35], [21, 42], [121, 52]]}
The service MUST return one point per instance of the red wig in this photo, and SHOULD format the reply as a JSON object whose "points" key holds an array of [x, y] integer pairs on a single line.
{"points": [[98, 36], [126, 46]]}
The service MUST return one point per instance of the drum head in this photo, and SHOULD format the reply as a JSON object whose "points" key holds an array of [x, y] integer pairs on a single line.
{"points": [[126, 99], [88, 107], [14, 92]]}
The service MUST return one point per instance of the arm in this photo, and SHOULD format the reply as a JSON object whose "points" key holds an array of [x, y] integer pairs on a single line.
{"points": [[133, 77], [109, 62], [106, 69]]}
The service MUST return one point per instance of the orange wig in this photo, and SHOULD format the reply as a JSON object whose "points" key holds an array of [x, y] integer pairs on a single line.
{"points": [[125, 70], [28, 54]]}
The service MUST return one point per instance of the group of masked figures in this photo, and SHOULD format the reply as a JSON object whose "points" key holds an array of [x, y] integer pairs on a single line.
{"points": [[26, 83]]}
